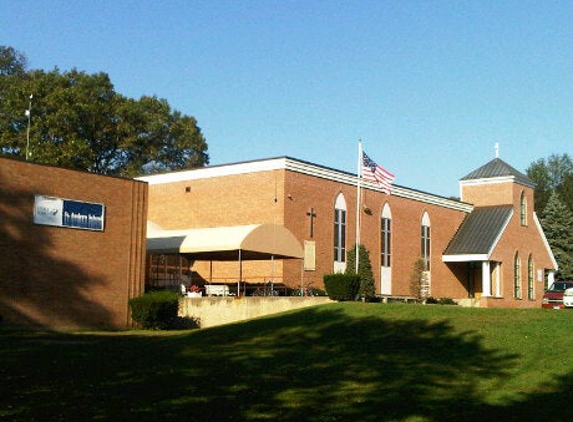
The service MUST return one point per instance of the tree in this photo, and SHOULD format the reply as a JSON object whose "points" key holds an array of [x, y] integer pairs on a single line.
{"points": [[12, 62], [549, 175], [419, 286], [557, 222], [78, 121], [565, 191], [366, 290]]}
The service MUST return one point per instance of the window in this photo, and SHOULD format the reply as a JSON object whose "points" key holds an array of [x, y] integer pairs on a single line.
{"points": [[516, 277], [523, 209], [425, 238], [340, 229], [386, 236], [530, 289]]}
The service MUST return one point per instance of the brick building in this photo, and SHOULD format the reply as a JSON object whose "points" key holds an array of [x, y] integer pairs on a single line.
{"points": [[488, 247], [72, 246]]}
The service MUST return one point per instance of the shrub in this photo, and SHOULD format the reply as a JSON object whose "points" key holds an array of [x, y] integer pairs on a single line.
{"points": [[342, 287], [367, 290], [441, 301], [155, 310]]}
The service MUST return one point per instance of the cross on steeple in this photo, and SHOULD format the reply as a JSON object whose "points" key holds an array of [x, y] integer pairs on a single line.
{"points": [[311, 214]]}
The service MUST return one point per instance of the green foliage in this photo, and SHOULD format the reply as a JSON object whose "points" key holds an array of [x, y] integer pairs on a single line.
{"points": [[342, 287], [12, 62], [78, 121], [155, 310], [366, 290], [440, 301], [557, 222], [552, 174]]}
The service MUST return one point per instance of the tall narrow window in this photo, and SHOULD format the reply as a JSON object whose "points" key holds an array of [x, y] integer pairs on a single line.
{"points": [[340, 229], [523, 209], [516, 277], [386, 237], [530, 286], [425, 238]]}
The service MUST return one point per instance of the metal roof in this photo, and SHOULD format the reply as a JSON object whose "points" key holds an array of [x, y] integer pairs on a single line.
{"points": [[497, 168], [480, 231]]}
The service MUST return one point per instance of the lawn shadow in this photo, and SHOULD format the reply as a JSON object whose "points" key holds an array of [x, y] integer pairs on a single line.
{"points": [[324, 365], [319, 364]]}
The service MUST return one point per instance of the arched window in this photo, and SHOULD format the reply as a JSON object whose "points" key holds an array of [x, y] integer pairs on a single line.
{"points": [[530, 289], [386, 237], [340, 229], [523, 209], [425, 241], [516, 277]]}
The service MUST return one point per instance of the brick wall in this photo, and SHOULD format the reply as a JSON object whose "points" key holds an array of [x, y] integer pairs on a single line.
{"points": [[287, 196], [63, 277]]}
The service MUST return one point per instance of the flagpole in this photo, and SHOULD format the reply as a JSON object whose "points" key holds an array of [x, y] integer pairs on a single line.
{"points": [[359, 173]]}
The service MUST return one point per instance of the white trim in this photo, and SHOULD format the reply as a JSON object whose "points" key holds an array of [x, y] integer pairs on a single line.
{"points": [[465, 258], [494, 180], [545, 242], [302, 167], [215, 171], [350, 179]]}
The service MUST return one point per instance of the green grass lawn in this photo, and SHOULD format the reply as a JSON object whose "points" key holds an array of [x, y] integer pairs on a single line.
{"points": [[339, 362]]}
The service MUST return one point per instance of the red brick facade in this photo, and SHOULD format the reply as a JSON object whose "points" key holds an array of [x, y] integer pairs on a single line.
{"points": [[284, 191], [66, 277]]}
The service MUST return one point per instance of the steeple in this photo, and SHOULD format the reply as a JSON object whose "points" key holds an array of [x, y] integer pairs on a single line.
{"points": [[498, 169]]}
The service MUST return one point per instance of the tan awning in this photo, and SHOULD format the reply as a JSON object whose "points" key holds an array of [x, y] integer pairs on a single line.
{"points": [[257, 241]]}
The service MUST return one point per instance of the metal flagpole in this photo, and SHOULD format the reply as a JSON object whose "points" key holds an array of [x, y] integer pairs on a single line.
{"points": [[359, 172]]}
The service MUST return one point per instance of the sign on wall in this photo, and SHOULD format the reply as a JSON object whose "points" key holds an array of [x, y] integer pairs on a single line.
{"points": [[309, 255], [50, 211]]}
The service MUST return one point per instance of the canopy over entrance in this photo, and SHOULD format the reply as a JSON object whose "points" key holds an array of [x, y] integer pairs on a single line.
{"points": [[255, 242]]}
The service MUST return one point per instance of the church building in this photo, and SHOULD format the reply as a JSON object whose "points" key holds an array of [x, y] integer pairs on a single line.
{"points": [[488, 249]]}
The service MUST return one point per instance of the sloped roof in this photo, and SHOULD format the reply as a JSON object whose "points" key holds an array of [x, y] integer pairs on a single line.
{"points": [[479, 233], [256, 241], [497, 168]]}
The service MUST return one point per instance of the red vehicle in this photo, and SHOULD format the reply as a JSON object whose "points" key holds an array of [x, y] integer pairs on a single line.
{"points": [[553, 297]]}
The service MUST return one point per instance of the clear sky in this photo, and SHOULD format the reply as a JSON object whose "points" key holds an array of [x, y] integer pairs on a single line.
{"points": [[429, 86]]}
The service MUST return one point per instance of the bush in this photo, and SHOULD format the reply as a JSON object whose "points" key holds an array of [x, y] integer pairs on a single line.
{"points": [[342, 287], [367, 290], [441, 301], [155, 310]]}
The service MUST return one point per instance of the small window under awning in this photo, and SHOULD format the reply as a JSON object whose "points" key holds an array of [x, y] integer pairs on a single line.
{"points": [[256, 242]]}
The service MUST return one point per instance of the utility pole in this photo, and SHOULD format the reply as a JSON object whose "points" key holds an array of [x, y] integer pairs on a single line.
{"points": [[29, 115]]}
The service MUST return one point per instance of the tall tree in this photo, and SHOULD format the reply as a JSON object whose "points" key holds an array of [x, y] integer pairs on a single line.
{"points": [[549, 175], [557, 221], [78, 121]]}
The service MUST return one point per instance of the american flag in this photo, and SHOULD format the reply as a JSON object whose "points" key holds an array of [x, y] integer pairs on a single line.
{"points": [[372, 172]]}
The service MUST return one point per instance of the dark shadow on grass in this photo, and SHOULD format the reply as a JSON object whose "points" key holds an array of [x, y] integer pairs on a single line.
{"points": [[313, 365]]}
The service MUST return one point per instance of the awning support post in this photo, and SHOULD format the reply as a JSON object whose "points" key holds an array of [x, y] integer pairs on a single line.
{"points": [[240, 274]]}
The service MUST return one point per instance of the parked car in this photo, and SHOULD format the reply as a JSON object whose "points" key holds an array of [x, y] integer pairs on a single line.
{"points": [[554, 296], [568, 298]]}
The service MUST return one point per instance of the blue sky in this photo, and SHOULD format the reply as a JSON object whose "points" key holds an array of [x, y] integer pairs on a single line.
{"points": [[429, 86]]}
